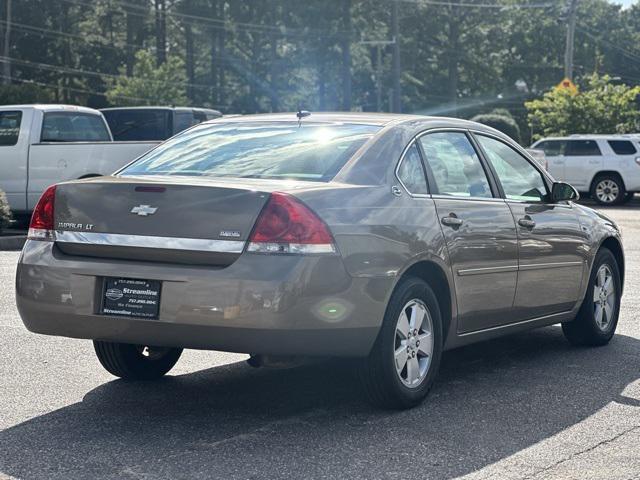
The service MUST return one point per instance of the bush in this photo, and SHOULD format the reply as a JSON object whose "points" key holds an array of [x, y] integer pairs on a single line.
{"points": [[23, 93], [600, 106], [506, 125], [5, 211]]}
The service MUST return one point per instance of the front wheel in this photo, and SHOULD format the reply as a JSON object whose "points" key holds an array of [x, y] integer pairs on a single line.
{"points": [[597, 319], [404, 361], [136, 362]]}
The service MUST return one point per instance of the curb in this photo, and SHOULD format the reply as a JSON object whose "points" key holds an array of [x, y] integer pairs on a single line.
{"points": [[13, 242]]}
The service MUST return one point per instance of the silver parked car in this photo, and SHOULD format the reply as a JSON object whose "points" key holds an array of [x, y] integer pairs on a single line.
{"points": [[385, 237]]}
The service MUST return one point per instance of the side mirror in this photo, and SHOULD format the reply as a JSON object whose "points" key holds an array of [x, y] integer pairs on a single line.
{"points": [[561, 192]]}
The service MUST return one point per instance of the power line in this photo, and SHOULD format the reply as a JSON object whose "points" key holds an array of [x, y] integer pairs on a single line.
{"points": [[282, 30], [76, 71], [482, 5], [74, 89], [627, 53], [56, 33]]}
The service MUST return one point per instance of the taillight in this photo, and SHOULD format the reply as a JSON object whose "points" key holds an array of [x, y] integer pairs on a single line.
{"points": [[637, 160], [41, 226], [286, 225]]}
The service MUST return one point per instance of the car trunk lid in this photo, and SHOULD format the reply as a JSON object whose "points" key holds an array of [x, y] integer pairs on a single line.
{"points": [[178, 221]]}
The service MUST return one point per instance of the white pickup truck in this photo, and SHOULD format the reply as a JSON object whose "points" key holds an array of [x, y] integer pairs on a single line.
{"points": [[44, 144]]}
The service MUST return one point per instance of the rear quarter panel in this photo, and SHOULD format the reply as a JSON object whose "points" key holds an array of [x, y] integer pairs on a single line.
{"points": [[380, 236]]}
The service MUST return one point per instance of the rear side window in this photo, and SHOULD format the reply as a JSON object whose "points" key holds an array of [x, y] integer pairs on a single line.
{"points": [[552, 148], [622, 147], [73, 127], [139, 124], [455, 165], [257, 150], [183, 120], [582, 148], [9, 128], [411, 172]]}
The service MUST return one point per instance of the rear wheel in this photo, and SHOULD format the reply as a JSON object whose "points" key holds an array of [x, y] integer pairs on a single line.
{"points": [[608, 189], [136, 362], [596, 321], [404, 361]]}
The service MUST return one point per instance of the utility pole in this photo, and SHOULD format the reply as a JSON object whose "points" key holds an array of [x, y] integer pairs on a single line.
{"points": [[378, 44], [395, 29], [6, 65], [571, 11]]}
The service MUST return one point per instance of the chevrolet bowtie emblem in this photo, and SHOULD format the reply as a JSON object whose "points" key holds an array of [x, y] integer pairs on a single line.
{"points": [[144, 210]]}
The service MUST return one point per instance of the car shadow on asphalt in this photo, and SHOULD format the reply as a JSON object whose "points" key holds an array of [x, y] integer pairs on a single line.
{"points": [[491, 400]]}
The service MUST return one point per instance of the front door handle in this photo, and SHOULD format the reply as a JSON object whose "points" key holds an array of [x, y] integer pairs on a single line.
{"points": [[527, 222], [452, 221]]}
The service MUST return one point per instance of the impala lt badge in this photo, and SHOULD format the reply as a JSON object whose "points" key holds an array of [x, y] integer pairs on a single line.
{"points": [[144, 210]]}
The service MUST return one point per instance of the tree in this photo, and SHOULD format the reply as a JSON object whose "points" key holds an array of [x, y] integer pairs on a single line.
{"points": [[599, 107], [150, 84], [501, 120]]}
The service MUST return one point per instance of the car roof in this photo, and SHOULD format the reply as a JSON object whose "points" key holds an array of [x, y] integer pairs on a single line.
{"points": [[45, 107], [177, 109], [368, 118], [599, 136]]}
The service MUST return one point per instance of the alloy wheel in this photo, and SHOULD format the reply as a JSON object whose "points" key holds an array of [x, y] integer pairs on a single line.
{"points": [[413, 343], [607, 191], [604, 298]]}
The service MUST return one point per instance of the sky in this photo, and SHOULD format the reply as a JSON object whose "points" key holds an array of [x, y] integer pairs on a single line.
{"points": [[624, 3]]}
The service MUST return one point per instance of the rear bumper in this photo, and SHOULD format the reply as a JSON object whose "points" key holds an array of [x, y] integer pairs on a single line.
{"points": [[261, 304]]}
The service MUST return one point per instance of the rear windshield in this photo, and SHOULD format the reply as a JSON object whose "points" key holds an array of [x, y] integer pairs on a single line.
{"points": [[139, 124], [73, 127], [257, 150]]}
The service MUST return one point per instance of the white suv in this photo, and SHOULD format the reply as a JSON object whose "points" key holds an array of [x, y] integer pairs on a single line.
{"points": [[606, 166]]}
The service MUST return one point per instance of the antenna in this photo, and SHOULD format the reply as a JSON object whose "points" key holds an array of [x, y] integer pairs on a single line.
{"points": [[302, 114]]}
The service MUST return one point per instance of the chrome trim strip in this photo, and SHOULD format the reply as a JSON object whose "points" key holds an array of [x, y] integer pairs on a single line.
{"points": [[515, 324], [486, 270], [540, 266], [147, 241]]}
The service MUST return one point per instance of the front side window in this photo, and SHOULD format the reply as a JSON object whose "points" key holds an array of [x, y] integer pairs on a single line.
{"points": [[582, 148], [520, 180], [456, 168], [9, 128], [552, 148], [73, 127], [411, 172], [311, 151], [622, 147]]}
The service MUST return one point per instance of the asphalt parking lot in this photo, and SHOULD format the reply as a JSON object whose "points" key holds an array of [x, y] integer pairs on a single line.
{"points": [[527, 406]]}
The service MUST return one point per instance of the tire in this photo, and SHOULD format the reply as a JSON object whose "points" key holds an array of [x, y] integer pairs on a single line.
{"points": [[386, 386], [608, 189], [628, 197], [136, 362], [588, 328]]}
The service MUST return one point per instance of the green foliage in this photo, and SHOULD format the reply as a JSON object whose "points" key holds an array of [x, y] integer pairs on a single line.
{"points": [[5, 211], [598, 107], [23, 93], [501, 120], [150, 84], [247, 56]]}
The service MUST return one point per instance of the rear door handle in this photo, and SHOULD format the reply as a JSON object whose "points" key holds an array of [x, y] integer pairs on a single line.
{"points": [[452, 220], [526, 222]]}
